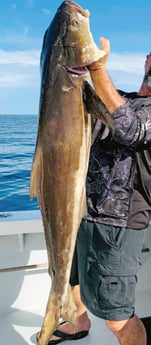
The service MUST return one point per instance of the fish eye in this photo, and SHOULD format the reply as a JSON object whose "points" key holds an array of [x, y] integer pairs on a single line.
{"points": [[76, 23]]}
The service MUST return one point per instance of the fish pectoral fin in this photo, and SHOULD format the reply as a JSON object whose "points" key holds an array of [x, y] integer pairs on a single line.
{"points": [[84, 206], [95, 106], [36, 174]]}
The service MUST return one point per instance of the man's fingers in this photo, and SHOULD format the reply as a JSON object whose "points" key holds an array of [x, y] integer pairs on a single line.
{"points": [[105, 45]]}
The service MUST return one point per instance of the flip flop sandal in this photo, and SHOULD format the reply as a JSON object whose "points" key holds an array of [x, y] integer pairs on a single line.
{"points": [[64, 336]]}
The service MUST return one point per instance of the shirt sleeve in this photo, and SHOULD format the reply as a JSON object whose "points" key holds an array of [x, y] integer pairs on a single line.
{"points": [[132, 127]]}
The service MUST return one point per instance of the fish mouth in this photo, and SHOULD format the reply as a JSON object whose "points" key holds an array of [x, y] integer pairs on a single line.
{"points": [[78, 70], [77, 8]]}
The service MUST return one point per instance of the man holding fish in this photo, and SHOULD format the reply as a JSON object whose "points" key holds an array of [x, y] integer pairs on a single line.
{"points": [[111, 236], [118, 183]]}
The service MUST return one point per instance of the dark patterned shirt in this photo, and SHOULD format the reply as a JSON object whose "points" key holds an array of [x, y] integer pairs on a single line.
{"points": [[119, 174]]}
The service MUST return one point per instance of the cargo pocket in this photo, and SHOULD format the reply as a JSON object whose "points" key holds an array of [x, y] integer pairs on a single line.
{"points": [[109, 292], [116, 292]]}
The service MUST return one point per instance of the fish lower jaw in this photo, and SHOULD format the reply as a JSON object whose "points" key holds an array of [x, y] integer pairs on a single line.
{"points": [[78, 70]]}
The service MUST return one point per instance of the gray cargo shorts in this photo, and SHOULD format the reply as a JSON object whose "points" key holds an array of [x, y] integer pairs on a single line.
{"points": [[105, 264]]}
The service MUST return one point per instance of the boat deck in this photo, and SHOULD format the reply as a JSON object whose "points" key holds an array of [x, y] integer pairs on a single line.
{"points": [[25, 284]]}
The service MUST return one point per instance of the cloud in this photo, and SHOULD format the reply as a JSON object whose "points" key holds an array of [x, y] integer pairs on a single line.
{"points": [[11, 80], [20, 77], [27, 57], [126, 81], [125, 62], [19, 39], [22, 68], [126, 70], [19, 68]]}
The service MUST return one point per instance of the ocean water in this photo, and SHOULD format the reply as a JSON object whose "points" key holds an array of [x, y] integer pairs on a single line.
{"points": [[17, 144]]}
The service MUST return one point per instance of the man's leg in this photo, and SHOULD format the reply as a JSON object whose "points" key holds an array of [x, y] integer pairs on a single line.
{"points": [[128, 332], [83, 322], [108, 278]]}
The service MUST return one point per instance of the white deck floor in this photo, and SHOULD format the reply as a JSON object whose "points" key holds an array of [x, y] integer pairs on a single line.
{"points": [[23, 293], [19, 326]]}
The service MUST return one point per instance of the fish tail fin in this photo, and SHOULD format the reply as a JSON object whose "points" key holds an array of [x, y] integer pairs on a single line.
{"points": [[51, 318], [55, 309]]}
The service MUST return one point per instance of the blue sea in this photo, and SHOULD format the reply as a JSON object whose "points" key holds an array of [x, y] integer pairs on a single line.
{"points": [[17, 145]]}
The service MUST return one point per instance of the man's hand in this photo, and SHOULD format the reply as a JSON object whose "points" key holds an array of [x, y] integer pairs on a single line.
{"points": [[103, 85], [101, 63]]}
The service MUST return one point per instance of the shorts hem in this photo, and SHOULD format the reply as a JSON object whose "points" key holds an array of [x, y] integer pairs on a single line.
{"points": [[114, 315]]}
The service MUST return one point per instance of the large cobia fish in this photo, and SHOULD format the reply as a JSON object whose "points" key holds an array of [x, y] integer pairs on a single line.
{"points": [[62, 150]]}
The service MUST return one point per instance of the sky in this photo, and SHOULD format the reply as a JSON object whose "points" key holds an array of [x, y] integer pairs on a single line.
{"points": [[22, 25]]}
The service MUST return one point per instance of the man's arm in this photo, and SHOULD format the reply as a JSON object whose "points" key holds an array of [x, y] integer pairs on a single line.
{"points": [[129, 126]]}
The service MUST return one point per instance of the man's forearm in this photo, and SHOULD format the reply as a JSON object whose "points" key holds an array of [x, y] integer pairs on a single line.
{"points": [[105, 89]]}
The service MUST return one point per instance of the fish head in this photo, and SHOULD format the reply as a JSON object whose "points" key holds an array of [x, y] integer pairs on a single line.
{"points": [[69, 40], [79, 46]]}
